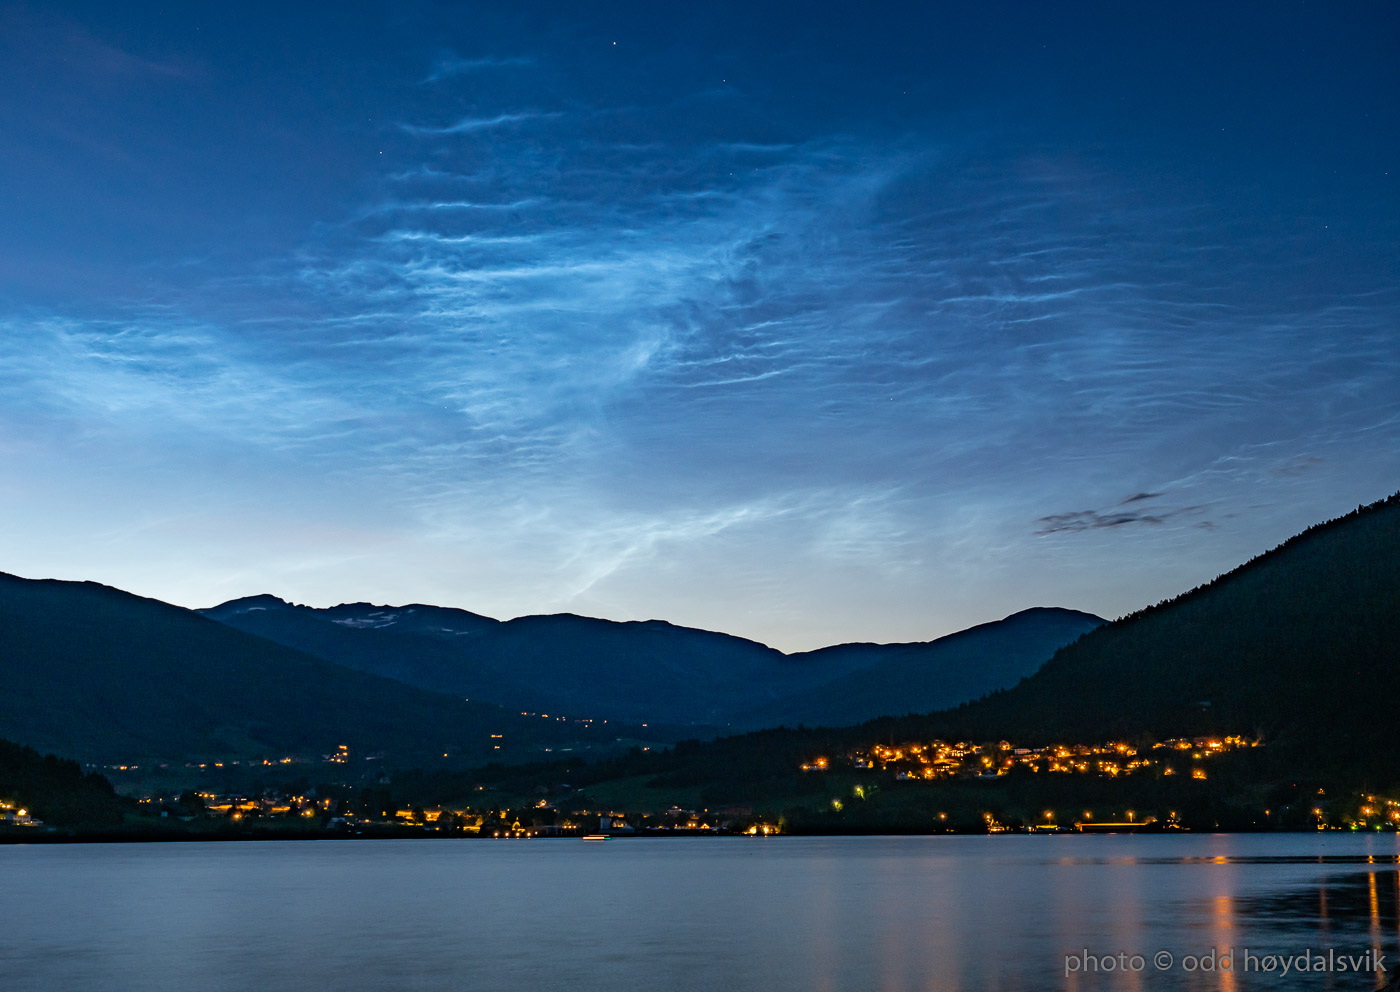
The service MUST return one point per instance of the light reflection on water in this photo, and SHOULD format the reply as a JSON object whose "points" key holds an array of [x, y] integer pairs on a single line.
{"points": [[827, 914]]}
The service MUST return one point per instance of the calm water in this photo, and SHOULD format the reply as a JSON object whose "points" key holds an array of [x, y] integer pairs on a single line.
{"points": [[946, 913]]}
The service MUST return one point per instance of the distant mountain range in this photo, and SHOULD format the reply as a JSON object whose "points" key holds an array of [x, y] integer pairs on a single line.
{"points": [[94, 673], [656, 672], [891, 679]]}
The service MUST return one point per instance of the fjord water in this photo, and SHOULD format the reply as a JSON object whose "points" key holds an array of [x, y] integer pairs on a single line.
{"points": [[926, 913]]}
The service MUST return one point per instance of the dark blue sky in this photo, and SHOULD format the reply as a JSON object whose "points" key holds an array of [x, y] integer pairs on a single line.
{"points": [[806, 322]]}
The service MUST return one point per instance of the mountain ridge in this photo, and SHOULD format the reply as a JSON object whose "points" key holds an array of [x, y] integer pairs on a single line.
{"points": [[650, 670], [97, 673]]}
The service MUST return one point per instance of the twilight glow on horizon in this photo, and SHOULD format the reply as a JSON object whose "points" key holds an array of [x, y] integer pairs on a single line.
{"points": [[809, 323]]}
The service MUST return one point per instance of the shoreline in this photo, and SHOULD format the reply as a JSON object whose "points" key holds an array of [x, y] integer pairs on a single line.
{"points": [[143, 836]]}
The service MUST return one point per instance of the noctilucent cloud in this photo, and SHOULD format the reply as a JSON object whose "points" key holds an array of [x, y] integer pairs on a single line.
{"points": [[807, 322]]}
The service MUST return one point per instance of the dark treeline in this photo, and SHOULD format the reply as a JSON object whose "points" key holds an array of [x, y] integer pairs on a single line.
{"points": [[58, 791]]}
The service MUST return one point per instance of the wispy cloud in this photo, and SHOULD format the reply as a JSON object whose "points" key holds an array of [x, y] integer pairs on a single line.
{"points": [[451, 66], [469, 125]]}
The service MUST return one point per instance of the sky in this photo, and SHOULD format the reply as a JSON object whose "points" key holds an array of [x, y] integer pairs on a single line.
{"points": [[806, 322]]}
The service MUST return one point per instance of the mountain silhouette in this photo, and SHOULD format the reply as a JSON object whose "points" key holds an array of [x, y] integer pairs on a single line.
{"points": [[94, 673], [653, 671]]}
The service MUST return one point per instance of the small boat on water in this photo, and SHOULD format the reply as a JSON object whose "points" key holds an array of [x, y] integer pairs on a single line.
{"points": [[595, 837]]}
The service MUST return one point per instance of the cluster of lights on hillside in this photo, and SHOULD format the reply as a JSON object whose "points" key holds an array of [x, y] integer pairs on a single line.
{"points": [[962, 759]]}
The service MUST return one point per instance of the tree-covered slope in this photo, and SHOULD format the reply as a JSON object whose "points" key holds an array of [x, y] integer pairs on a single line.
{"points": [[1300, 645], [57, 791]]}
